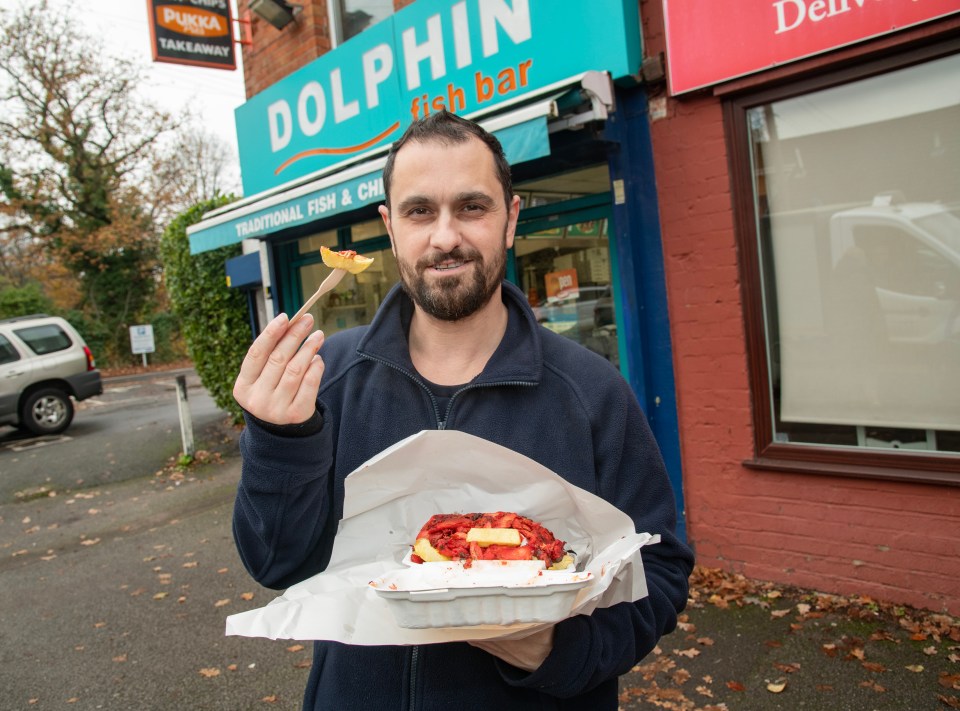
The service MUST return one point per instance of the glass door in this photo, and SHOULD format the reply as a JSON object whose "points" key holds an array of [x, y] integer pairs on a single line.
{"points": [[563, 264]]}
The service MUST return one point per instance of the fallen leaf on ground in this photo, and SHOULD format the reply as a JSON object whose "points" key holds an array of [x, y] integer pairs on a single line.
{"points": [[295, 648], [736, 686], [874, 667], [930, 651], [246, 596], [914, 668], [89, 541], [210, 672], [272, 699], [873, 685], [221, 603], [775, 687], [120, 658], [160, 595], [689, 653]]}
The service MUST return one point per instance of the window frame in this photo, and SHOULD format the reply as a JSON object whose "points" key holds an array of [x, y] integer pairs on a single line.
{"points": [[913, 466], [335, 17]]}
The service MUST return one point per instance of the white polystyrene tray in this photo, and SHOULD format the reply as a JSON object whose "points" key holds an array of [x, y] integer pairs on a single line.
{"points": [[431, 595]]}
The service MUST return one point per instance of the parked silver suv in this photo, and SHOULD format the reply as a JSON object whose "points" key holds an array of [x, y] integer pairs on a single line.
{"points": [[43, 363]]}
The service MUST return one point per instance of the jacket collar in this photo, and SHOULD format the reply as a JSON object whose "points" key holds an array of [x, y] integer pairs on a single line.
{"points": [[518, 358]]}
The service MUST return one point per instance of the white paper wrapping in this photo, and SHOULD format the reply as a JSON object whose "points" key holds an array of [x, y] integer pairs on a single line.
{"points": [[389, 498]]}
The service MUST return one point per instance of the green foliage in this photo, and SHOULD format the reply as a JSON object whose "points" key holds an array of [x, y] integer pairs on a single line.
{"points": [[24, 300], [213, 317]]}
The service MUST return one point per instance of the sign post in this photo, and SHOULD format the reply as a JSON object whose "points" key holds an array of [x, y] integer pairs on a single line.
{"points": [[141, 340]]}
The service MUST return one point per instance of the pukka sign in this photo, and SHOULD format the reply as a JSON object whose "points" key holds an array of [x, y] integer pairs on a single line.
{"points": [[195, 32], [712, 42], [467, 56]]}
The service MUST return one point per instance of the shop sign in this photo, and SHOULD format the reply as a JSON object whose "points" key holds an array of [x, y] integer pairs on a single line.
{"points": [[469, 56], [196, 32], [711, 42], [521, 142]]}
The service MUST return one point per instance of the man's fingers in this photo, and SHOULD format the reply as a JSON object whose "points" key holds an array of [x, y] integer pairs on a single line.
{"points": [[269, 358], [261, 349], [305, 401]]}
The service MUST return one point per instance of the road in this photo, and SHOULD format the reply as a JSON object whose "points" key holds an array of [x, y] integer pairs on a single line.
{"points": [[133, 426], [116, 582]]}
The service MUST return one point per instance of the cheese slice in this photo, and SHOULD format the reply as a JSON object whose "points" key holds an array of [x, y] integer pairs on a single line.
{"points": [[427, 553], [493, 537]]}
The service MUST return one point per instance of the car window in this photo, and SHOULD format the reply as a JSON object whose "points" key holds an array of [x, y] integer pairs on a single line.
{"points": [[8, 353], [48, 338]]}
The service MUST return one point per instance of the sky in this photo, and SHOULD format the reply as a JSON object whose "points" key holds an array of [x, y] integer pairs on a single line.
{"points": [[121, 26]]}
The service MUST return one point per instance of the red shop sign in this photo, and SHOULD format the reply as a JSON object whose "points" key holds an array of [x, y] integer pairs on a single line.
{"points": [[710, 41]]}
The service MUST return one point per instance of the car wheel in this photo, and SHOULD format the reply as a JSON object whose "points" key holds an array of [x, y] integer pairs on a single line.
{"points": [[47, 411]]}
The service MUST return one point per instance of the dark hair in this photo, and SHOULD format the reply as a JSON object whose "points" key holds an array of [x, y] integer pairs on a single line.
{"points": [[445, 127]]}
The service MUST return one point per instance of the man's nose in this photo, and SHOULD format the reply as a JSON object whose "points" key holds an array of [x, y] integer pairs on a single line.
{"points": [[446, 234]]}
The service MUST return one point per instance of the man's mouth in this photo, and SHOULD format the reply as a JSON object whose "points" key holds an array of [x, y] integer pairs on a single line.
{"points": [[448, 265]]}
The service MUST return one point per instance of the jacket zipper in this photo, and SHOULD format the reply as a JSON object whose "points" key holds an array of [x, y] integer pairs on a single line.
{"points": [[414, 658], [441, 424]]}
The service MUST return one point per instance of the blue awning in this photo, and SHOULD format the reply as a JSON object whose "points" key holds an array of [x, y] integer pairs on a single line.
{"points": [[244, 271], [523, 139]]}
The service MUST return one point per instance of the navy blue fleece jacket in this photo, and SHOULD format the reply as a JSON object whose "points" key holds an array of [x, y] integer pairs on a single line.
{"points": [[541, 395]]}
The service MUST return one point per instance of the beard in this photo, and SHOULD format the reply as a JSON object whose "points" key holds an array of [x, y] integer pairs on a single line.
{"points": [[454, 297]]}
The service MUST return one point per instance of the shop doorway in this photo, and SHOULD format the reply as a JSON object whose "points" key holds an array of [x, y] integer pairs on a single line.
{"points": [[563, 260]]}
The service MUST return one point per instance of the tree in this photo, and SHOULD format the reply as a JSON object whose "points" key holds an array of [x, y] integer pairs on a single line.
{"points": [[89, 171], [192, 168]]}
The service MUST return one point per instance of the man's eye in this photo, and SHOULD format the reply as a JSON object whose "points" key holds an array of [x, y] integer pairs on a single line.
{"points": [[472, 207], [417, 212]]}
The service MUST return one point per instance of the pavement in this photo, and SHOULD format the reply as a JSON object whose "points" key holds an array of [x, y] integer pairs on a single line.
{"points": [[752, 645], [115, 597]]}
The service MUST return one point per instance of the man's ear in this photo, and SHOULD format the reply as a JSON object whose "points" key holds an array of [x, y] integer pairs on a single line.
{"points": [[513, 214], [385, 215]]}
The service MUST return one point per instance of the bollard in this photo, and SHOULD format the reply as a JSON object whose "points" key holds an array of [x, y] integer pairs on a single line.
{"points": [[186, 423]]}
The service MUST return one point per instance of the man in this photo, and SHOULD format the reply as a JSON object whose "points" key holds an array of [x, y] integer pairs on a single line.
{"points": [[456, 347]]}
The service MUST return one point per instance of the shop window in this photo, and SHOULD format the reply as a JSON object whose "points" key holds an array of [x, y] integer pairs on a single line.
{"points": [[849, 224], [371, 229], [351, 17], [357, 297]]}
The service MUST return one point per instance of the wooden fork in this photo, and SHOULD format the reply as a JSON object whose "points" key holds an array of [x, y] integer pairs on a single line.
{"points": [[328, 284]]}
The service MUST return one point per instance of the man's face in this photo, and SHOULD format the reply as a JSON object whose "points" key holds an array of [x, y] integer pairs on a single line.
{"points": [[449, 226]]}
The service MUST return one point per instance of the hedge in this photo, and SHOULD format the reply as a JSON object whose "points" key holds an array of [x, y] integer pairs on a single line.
{"points": [[213, 317]]}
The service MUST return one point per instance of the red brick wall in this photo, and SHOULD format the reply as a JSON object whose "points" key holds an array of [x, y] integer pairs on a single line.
{"points": [[276, 53], [893, 541]]}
